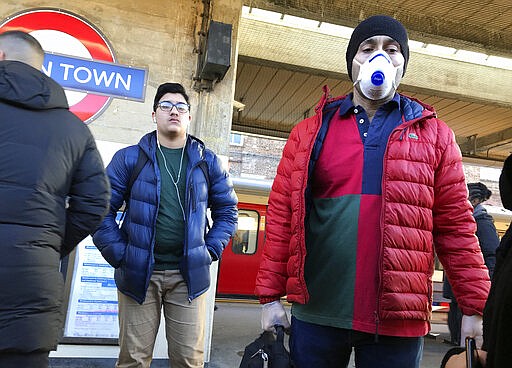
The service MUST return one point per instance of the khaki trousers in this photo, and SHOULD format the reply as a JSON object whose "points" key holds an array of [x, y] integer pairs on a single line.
{"points": [[184, 324]]}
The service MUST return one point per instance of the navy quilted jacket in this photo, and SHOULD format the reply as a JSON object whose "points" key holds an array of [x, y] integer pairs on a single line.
{"points": [[53, 193], [129, 249]]}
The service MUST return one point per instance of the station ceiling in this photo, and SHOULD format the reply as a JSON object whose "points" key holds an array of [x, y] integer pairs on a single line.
{"points": [[281, 70]]}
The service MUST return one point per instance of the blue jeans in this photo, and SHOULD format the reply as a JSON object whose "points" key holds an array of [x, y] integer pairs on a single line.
{"points": [[319, 346]]}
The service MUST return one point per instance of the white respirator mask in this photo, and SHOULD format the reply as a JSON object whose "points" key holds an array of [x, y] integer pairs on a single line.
{"points": [[378, 76]]}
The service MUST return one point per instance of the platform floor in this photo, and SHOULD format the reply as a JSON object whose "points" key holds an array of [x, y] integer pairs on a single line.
{"points": [[235, 326]]}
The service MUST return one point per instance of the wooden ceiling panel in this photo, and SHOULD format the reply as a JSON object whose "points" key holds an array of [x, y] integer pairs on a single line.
{"points": [[301, 104], [287, 101], [258, 82], [265, 104], [503, 19]]}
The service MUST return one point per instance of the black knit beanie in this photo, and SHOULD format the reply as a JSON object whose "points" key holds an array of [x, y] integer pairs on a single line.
{"points": [[378, 25], [168, 88], [479, 190], [506, 184]]}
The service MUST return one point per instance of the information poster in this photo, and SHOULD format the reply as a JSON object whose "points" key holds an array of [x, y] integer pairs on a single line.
{"points": [[92, 310]]}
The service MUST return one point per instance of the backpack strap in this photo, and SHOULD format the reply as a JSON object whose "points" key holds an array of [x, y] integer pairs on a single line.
{"points": [[142, 158], [204, 167]]}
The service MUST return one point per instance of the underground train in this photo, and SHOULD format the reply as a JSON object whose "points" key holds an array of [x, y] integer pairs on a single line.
{"points": [[241, 258]]}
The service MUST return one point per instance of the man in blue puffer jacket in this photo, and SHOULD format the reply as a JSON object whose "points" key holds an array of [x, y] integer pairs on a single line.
{"points": [[163, 251]]}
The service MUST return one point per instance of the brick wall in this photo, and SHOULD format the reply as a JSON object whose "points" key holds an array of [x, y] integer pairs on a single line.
{"points": [[259, 157]]}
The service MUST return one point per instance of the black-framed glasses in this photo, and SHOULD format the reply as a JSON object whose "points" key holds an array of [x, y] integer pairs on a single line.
{"points": [[181, 107]]}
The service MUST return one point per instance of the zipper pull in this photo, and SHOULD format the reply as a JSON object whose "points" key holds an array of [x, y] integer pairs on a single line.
{"points": [[264, 356], [402, 134]]}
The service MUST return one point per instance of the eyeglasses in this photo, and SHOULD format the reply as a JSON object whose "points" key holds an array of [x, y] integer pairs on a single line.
{"points": [[181, 107]]}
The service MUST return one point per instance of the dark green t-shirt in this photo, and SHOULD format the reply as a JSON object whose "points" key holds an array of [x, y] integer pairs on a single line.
{"points": [[170, 224]]}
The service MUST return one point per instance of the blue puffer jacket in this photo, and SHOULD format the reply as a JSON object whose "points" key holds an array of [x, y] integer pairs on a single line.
{"points": [[129, 249]]}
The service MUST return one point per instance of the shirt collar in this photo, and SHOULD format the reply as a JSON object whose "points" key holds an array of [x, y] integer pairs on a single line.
{"points": [[348, 106]]}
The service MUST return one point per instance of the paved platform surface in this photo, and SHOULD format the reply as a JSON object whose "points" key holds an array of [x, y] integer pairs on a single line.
{"points": [[235, 326]]}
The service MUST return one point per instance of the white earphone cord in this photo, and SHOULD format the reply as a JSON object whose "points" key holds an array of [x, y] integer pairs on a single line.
{"points": [[175, 182]]}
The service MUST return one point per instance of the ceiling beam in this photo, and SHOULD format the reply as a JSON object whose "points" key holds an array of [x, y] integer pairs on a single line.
{"points": [[420, 25], [310, 50], [475, 144], [258, 128]]}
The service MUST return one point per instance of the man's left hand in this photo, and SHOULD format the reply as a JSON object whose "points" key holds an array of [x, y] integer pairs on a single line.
{"points": [[472, 326]]}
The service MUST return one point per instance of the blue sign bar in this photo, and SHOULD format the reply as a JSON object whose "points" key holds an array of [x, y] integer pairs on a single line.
{"points": [[96, 77]]}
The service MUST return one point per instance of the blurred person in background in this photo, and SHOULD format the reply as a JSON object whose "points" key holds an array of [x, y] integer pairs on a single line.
{"points": [[489, 241]]}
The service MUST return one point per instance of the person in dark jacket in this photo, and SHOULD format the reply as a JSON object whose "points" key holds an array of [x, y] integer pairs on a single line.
{"points": [[489, 241], [497, 312], [53, 193], [163, 250]]}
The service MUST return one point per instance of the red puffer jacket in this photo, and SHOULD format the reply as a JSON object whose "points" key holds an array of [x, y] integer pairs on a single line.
{"points": [[425, 211]]}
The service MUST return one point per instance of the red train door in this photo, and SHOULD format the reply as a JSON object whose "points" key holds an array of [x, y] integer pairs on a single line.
{"points": [[241, 258]]}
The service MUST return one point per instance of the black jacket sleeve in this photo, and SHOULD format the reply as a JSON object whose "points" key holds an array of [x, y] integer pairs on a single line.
{"points": [[88, 198]]}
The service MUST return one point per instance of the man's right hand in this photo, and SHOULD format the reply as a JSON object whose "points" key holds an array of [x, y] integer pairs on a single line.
{"points": [[272, 314]]}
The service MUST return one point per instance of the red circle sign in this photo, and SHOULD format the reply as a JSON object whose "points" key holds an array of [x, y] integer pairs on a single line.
{"points": [[39, 21]]}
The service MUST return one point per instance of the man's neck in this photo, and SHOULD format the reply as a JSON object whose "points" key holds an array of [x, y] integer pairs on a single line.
{"points": [[172, 142], [370, 106]]}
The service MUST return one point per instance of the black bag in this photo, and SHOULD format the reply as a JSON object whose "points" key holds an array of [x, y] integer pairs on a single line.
{"points": [[267, 351], [471, 358]]}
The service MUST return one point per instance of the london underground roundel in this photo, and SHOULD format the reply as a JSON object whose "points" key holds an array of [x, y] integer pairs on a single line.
{"points": [[68, 34]]}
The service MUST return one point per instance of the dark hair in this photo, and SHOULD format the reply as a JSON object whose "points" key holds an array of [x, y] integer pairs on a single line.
{"points": [[479, 190], [169, 88], [378, 25]]}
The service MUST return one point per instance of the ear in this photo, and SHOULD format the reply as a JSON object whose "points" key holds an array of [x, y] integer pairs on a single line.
{"points": [[153, 117]]}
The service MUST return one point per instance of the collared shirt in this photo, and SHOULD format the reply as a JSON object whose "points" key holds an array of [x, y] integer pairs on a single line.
{"points": [[343, 234]]}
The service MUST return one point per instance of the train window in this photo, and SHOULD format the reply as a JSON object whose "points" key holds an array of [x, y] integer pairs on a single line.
{"points": [[245, 240]]}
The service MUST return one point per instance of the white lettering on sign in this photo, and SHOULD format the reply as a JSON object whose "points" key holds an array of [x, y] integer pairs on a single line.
{"points": [[84, 75], [87, 73]]}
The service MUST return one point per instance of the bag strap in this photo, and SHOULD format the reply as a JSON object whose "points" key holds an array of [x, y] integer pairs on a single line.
{"points": [[142, 158], [280, 334], [204, 167]]}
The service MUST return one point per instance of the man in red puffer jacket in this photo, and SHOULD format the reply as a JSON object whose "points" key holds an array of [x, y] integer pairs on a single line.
{"points": [[367, 191]]}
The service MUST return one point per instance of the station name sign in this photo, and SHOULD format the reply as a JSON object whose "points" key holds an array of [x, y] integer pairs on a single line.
{"points": [[93, 76], [80, 58]]}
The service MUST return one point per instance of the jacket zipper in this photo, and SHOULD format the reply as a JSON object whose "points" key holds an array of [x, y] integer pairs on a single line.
{"points": [[188, 198], [302, 247], [381, 250], [189, 201], [153, 235]]}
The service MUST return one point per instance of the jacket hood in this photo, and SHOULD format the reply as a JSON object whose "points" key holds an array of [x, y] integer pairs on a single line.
{"points": [[25, 86]]}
